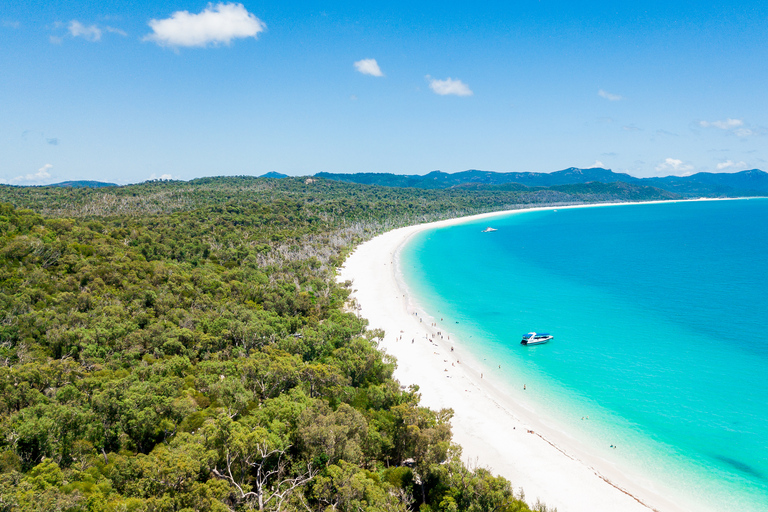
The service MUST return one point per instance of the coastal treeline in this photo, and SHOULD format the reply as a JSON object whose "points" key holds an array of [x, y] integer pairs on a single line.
{"points": [[184, 346]]}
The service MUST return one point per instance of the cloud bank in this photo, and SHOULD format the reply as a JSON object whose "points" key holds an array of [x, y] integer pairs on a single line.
{"points": [[215, 25], [449, 86], [41, 175], [368, 67]]}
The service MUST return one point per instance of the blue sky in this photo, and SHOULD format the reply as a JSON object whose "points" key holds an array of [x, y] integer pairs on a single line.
{"points": [[129, 91]]}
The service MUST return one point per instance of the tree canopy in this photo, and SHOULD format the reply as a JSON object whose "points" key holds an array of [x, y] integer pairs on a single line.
{"points": [[185, 346]]}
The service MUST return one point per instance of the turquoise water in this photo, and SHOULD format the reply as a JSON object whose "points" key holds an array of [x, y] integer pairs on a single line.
{"points": [[660, 316]]}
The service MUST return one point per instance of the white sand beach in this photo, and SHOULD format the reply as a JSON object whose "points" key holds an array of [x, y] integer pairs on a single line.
{"points": [[494, 431]]}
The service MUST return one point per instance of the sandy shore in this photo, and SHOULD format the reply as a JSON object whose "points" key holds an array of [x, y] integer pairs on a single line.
{"points": [[494, 431]]}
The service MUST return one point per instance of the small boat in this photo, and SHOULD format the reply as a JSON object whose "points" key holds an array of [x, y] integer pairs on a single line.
{"points": [[533, 338], [488, 230]]}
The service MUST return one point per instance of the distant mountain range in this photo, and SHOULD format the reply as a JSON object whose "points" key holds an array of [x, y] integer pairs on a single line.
{"points": [[703, 184], [82, 184]]}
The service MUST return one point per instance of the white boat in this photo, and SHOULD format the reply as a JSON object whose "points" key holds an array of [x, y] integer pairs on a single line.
{"points": [[533, 338], [488, 230]]}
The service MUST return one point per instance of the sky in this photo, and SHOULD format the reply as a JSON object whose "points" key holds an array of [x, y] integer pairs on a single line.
{"points": [[127, 91]]}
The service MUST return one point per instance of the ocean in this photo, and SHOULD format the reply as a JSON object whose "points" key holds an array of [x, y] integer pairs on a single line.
{"points": [[659, 362]]}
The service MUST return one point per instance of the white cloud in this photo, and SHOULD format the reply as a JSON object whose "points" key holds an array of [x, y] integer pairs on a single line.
{"points": [[114, 30], [162, 177], [735, 126], [41, 175], [74, 29], [77, 29], [610, 97], [11, 24], [728, 124], [449, 86], [728, 164], [597, 164], [368, 67], [217, 24], [674, 165]]}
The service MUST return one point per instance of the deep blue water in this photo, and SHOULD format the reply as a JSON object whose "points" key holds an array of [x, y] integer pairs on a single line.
{"points": [[660, 315]]}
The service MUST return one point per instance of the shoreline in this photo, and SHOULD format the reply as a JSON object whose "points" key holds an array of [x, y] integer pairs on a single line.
{"points": [[494, 430]]}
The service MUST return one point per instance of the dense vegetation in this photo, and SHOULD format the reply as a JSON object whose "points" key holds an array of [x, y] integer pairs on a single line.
{"points": [[184, 346]]}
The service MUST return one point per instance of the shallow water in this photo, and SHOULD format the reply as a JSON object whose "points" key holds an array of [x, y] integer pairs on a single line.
{"points": [[659, 314]]}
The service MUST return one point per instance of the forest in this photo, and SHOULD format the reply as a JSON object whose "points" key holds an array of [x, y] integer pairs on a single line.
{"points": [[180, 346]]}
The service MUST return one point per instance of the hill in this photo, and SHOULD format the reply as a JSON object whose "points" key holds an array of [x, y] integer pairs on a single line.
{"points": [[741, 184], [705, 184], [439, 179], [83, 184]]}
